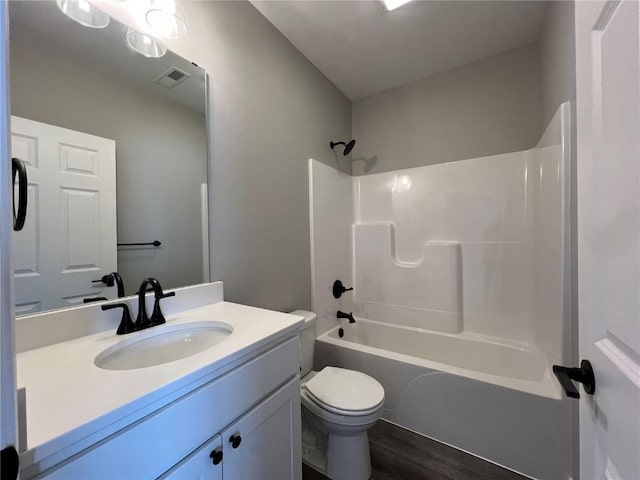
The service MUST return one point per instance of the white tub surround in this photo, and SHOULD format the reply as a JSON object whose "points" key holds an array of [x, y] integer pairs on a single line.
{"points": [[477, 246], [470, 246], [489, 400], [461, 295], [72, 404], [331, 217]]}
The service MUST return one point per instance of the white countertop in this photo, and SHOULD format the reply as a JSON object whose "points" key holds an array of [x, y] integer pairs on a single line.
{"points": [[70, 399]]}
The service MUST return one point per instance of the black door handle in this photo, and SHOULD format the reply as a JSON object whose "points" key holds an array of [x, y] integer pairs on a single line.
{"points": [[19, 216], [584, 375]]}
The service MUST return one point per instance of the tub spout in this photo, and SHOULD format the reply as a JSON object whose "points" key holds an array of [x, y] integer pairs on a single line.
{"points": [[346, 315]]}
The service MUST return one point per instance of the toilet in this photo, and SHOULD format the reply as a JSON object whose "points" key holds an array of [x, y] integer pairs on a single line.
{"points": [[338, 407]]}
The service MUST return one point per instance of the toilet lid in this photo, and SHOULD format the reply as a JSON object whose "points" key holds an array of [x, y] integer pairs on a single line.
{"points": [[345, 390]]}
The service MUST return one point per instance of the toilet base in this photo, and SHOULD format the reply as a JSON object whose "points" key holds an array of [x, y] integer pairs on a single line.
{"points": [[348, 457], [343, 456]]}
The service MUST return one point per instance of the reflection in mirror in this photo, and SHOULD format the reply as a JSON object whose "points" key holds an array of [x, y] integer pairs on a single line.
{"points": [[116, 150]]}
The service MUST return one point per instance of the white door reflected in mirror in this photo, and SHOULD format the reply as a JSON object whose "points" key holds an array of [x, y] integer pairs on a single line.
{"points": [[69, 238]]}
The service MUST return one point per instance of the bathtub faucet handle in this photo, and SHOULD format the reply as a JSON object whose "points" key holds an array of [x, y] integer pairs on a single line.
{"points": [[349, 315], [339, 288]]}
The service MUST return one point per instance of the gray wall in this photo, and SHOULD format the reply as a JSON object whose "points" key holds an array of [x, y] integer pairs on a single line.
{"points": [[161, 151], [557, 57], [271, 111], [483, 108]]}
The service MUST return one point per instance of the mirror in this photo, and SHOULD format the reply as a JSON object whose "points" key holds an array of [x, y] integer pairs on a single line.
{"points": [[115, 146]]}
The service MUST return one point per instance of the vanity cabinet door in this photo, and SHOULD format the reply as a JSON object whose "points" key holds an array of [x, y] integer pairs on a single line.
{"points": [[203, 464], [265, 443]]}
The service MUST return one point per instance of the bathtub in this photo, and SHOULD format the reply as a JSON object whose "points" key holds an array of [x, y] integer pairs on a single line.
{"points": [[494, 399]]}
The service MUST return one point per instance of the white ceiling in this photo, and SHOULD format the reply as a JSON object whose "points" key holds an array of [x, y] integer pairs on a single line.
{"points": [[364, 50]]}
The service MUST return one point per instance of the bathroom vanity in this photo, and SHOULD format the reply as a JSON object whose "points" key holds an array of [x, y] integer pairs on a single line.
{"points": [[229, 411]]}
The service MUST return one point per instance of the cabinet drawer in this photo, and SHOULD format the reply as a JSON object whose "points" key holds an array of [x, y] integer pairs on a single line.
{"points": [[154, 444]]}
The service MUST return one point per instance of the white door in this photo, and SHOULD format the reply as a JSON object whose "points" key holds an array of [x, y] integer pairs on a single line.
{"points": [[608, 162], [69, 237], [8, 440]]}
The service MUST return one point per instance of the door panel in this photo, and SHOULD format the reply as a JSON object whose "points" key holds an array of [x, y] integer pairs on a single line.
{"points": [[608, 81], [70, 235]]}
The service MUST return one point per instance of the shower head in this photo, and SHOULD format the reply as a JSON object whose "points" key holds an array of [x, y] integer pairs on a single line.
{"points": [[347, 146]]}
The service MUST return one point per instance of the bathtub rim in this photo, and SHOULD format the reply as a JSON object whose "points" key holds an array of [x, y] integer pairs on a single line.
{"points": [[546, 387]]}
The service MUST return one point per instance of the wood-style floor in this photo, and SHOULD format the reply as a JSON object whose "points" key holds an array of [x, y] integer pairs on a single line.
{"points": [[398, 454]]}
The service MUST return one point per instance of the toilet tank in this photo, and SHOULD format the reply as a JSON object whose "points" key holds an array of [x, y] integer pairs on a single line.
{"points": [[307, 336]]}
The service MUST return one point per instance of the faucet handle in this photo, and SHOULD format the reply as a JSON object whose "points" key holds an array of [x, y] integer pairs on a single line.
{"points": [[126, 324], [106, 279], [157, 318], [338, 289]]}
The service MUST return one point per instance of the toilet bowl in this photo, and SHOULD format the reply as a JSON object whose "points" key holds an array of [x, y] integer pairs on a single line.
{"points": [[338, 407]]}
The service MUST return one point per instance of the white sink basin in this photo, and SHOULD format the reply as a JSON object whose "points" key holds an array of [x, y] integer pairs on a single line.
{"points": [[164, 344]]}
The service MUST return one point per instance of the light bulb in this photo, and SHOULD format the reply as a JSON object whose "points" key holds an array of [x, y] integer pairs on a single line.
{"points": [[167, 19]]}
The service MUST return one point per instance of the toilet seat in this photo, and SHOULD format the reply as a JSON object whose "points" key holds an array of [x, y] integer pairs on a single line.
{"points": [[345, 392]]}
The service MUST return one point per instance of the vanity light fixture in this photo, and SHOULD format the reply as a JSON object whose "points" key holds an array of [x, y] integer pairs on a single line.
{"points": [[388, 5], [167, 19], [144, 44], [84, 13]]}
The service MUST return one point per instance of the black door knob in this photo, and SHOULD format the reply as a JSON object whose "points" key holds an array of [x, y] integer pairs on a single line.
{"points": [[235, 440], [216, 456]]}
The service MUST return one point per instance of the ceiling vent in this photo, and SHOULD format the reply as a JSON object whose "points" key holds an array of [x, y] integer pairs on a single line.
{"points": [[172, 77]]}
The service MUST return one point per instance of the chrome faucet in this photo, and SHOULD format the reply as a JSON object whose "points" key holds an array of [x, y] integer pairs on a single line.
{"points": [[157, 318]]}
